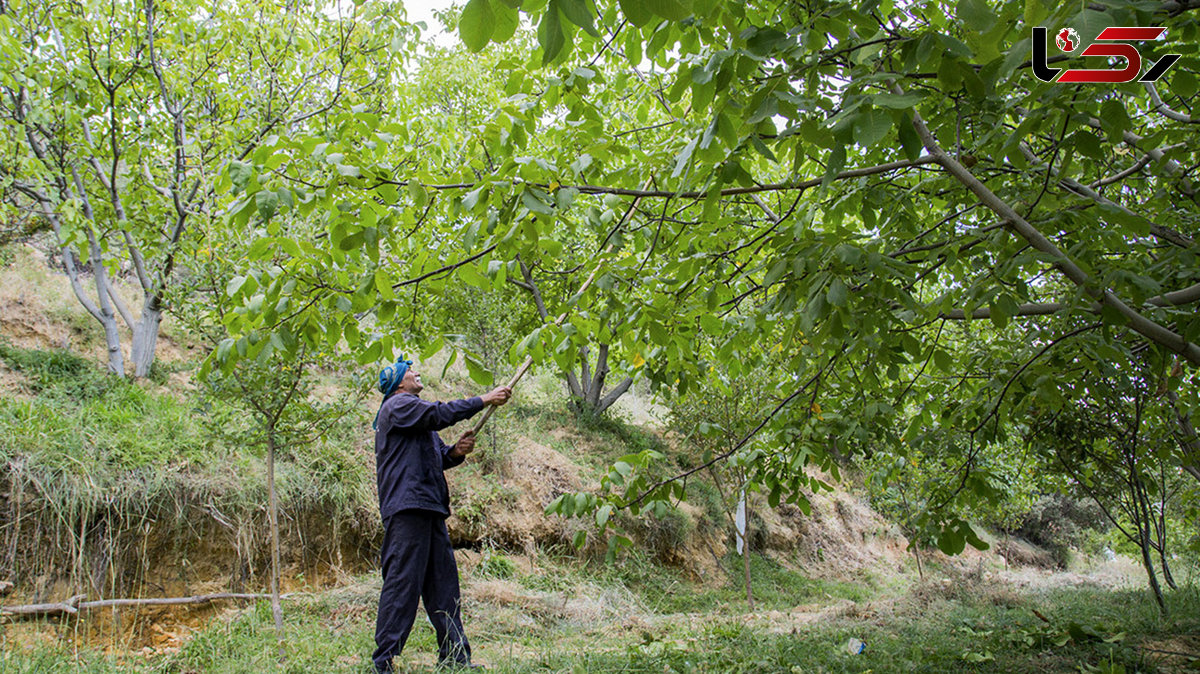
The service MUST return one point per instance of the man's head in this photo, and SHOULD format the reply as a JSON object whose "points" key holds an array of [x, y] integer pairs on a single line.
{"points": [[398, 376], [392, 377], [411, 382]]}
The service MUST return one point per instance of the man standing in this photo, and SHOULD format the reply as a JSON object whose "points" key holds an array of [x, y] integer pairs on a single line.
{"points": [[414, 502]]}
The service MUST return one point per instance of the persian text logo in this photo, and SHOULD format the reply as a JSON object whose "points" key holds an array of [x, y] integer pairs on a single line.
{"points": [[1110, 42]]}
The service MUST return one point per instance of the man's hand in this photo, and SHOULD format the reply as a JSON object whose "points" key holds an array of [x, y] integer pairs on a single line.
{"points": [[464, 446], [497, 396]]}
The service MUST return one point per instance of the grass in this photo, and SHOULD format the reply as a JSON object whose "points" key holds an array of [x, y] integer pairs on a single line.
{"points": [[1084, 630]]}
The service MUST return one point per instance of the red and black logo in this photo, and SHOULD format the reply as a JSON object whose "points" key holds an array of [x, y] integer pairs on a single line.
{"points": [[1110, 42]]}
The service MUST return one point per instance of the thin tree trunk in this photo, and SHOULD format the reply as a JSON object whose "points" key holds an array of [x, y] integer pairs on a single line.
{"points": [[145, 339], [746, 572], [273, 518], [1143, 523], [744, 506], [1189, 442], [1160, 525], [1162, 558], [585, 377], [1148, 564]]}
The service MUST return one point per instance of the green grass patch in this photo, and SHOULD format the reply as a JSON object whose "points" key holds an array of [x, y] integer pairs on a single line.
{"points": [[83, 416]]}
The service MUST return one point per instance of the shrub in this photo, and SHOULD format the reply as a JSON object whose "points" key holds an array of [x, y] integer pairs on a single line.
{"points": [[1059, 522]]}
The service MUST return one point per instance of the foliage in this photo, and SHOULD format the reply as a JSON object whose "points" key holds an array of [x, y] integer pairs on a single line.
{"points": [[868, 129], [117, 118]]}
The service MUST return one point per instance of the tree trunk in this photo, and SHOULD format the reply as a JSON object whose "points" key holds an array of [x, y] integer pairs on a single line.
{"points": [[597, 385], [744, 531], [1189, 442], [1148, 564], [145, 339], [746, 572], [1143, 523], [273, 519]]}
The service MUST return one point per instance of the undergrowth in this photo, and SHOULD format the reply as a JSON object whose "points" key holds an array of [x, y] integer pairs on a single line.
{"points": [[103, 472]]}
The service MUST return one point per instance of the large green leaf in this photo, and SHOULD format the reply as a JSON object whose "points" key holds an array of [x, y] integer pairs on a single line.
{"points": [[580, 13], [550, 34], [477, 24], [636, 11], [871, 126]]}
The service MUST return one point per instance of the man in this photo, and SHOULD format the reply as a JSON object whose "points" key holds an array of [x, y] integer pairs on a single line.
{"points": [[414, 502]]}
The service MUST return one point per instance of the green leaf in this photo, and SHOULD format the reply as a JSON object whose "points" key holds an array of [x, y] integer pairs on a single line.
{"points": [[508, 19], [837, 293], [235, 284], [533, 203], [579, 539], [266, 201], [240, 173], [602, 515], [636, 11], [942, 360], [976, 15], [479, 374], [673, 10], [579, 12], [909, 140], [418, 194], [550, 34], [871, 126], [898, 101], [477, 24]]}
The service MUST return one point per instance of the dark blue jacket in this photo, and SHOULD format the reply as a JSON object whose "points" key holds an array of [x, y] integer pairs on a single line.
{"points": [[410, 457]]}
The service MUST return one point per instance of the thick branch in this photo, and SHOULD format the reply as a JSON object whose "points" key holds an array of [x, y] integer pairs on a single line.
{"points": [[611, 397], [1166, 111], [1172, 299], [1029, 309]]}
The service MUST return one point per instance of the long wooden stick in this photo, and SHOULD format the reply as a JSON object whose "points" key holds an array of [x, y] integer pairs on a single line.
{"points": [[75, 604], [487, 413]]}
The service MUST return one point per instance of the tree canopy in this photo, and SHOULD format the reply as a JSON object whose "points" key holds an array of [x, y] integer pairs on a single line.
{"points": [[874, 209]]}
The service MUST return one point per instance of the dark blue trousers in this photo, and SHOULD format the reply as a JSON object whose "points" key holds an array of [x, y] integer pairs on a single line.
{"points": [[418, 562]]}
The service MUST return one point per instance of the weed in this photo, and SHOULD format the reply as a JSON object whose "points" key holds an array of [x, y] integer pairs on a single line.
{"points": [[495, 565]]}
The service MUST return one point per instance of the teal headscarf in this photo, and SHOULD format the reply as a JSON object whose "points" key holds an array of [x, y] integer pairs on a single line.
{"points": [[389, 379]]}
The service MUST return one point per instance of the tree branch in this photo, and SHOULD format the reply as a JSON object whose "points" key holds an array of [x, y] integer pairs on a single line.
{"points": [[75, 604], [692, 194], [1142, 325]]}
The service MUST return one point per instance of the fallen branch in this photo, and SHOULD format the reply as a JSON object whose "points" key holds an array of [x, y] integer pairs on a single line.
{"points": [[76, 604]]}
